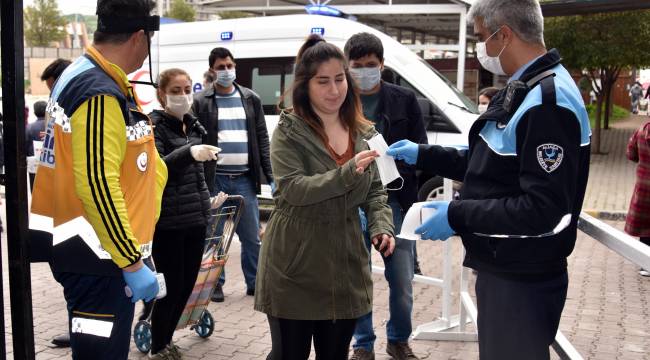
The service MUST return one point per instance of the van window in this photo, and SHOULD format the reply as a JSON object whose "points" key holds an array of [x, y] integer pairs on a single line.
{"points": [[434, 119], [268, 77]]}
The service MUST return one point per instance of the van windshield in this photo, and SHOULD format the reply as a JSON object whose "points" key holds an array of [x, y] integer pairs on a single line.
{"points": [[464, 100]]}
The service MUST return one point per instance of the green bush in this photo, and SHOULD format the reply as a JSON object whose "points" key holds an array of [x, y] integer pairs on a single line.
{"points": [[618, 114]]}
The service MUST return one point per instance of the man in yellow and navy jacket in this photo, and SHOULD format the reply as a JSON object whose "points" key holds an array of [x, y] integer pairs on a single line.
{"points": [[100, 182]]}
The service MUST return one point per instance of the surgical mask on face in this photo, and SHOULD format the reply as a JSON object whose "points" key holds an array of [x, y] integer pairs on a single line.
{"points": [[385, 164], [178, 105], [489, 63], [225, 78], [482, 108], [367, 77]]}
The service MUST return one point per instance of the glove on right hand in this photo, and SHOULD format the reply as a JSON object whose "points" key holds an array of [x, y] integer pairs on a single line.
{"points": [[404, 150], [143, 284], [204, 152]]}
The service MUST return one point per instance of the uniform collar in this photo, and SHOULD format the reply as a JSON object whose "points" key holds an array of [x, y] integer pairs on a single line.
{"points": [[538, 65], [115, 72], [521, 70]]}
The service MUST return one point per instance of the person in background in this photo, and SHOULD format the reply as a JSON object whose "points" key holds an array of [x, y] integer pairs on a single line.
{"points": [[484, 97], [53, 71], [234, 119], [637, 221], [49, 76], [524, 179], [208, 78], [35, 132], [636, 93], [396, 115], [314, 279], [180, 232], [103, 185]]}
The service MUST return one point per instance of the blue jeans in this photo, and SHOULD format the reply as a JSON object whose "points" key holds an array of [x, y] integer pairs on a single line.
{"points": [[399, 274], [249, 223]]}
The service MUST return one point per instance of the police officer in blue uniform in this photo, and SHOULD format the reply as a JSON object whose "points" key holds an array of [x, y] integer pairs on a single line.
{"points": [[525, 174]]}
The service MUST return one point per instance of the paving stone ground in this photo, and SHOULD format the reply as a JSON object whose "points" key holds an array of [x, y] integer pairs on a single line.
{"points": [[606, 314]]}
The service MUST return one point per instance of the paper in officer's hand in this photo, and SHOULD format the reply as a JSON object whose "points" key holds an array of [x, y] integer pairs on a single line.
{"points": [[413, 219]]}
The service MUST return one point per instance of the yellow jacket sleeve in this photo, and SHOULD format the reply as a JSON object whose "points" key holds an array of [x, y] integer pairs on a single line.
{"points": [[98, 149], [161, 181]]}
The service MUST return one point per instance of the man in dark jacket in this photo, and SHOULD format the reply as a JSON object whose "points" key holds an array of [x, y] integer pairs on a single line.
{"points": [[35, 132], [524, 175], [396, 115], [53, 71], [234, 120]]}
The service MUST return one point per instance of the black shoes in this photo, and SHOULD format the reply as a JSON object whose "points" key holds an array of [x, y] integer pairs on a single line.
{"points": [[416, 268], [250, 292], [62, 340], [218, 294]]}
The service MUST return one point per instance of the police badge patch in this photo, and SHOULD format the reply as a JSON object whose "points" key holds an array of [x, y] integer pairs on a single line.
{"points": [[549, 156]]}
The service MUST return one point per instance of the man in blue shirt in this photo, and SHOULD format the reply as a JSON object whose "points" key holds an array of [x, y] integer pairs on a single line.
{"points": [[234, 119]]}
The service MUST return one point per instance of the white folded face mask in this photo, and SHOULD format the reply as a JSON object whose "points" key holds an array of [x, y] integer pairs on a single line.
{"points": [[386, 164]]}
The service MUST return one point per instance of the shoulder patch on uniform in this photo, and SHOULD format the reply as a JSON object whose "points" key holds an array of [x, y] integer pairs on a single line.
{"points": [[550, 156]]}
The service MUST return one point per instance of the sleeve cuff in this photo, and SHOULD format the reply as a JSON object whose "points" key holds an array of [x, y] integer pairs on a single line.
{"points": [[422, 148], [350, 176], [454, 216], [133, 262]]}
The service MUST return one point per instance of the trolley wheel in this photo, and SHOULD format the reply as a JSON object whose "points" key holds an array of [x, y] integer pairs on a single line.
{"points": [[205, 327], [142, 336]]}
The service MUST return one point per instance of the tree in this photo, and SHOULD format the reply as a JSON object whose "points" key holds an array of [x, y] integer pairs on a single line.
{"points": [[233, 15], [43, 23], [182, 11], [601, 46]]}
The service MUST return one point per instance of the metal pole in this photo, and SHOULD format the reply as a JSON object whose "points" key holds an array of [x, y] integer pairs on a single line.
{"points": [[462, 48], [446, 267], [16, 181]]}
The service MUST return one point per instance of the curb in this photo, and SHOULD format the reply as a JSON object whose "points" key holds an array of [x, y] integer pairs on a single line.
{"points": [[607, 215]]}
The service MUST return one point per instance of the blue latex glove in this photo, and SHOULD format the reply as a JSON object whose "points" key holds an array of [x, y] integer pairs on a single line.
{"points": [[143, 284], [437, 226], [272, 184], [404, 150]]}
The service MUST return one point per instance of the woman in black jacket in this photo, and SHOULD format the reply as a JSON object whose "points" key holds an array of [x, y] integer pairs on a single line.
{"points": [[180, 233]]}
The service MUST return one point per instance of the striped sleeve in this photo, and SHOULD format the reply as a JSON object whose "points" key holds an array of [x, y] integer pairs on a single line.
{"points": [[98, 149]]}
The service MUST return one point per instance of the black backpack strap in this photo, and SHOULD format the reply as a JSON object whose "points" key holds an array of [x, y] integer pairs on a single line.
{"points": [[548, 90]]}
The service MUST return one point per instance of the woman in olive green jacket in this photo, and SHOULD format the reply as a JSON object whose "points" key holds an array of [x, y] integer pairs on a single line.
{"points": [[313, 276]]}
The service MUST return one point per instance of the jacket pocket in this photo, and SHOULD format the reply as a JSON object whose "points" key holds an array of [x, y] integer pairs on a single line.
{"points": [[295, 260]]}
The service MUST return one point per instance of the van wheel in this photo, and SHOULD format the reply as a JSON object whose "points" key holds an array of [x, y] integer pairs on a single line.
{"points": [[431, 190]]}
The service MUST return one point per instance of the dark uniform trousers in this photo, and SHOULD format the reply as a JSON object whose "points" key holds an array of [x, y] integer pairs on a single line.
{"points": [[100, 315], [518, 316]]}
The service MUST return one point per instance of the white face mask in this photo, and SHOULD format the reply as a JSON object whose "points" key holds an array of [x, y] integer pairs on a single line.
{"points": [[489, 63], [482, 108], [385, 164], [178, 105], [225, 78], [367, 77]]}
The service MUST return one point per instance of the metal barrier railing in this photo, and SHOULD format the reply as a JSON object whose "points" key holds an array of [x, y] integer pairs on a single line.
{"points": [[441, 329]]}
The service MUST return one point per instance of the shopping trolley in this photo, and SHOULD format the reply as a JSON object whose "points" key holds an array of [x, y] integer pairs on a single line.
{"points": [[222, 223]]}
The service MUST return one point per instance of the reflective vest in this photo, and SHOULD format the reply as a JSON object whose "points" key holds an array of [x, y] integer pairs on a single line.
{"points": [[100, 179]]}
